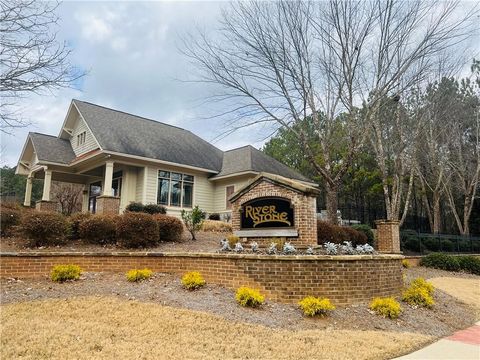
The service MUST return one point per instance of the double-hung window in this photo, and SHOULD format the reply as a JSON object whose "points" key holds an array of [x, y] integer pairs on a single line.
{"points": [[175, 189]]}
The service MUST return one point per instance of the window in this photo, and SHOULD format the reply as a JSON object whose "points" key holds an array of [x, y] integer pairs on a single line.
{"points": [[229, 190], [175, 189], [81, 138]]}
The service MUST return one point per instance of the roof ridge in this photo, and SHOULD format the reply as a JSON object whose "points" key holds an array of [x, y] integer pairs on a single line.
{"points": [[38, 133]]}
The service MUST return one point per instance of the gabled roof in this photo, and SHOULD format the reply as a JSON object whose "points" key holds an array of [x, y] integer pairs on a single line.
{"points": [[51, 148], [247, 158], [122, 132]]}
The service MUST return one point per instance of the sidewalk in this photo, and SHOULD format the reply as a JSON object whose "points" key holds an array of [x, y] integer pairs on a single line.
{"points": [[462, 345]]}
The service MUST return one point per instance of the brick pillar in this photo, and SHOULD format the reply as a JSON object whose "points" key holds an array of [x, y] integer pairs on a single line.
{"points": [[108, 204], [388, 236], [44, 205]]}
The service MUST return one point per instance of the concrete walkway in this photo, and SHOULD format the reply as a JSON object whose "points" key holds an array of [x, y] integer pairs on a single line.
{"points": [[462, 345]]}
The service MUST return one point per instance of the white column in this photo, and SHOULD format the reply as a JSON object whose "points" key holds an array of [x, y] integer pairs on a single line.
{"points": [[107, 183], [28, 191], [85, 199], [47, 182]]}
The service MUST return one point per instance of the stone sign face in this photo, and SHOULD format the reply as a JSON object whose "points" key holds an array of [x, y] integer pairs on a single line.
{"points": [[270, 212]]}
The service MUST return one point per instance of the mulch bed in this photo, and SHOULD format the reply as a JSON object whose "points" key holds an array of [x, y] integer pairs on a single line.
{"points": [[447, 316]]}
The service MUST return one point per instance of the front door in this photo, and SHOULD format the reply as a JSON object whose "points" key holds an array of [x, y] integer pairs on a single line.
{"points": [[94, 191]]}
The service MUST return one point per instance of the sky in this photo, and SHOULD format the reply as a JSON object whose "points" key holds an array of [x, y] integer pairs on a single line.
{"points": [[131, 52]]}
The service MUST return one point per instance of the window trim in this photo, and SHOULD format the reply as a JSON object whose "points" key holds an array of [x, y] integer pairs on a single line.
{"points": [[169, 195]]}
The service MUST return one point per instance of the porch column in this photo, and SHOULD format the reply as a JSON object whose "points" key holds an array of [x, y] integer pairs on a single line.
{"points": [[85, 199], [28, 191], [47, 182], [107, 185]]}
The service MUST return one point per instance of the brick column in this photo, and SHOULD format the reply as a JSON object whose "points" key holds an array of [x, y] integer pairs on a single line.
{"points": [[108, 204], [388, 236], [44, 205]]}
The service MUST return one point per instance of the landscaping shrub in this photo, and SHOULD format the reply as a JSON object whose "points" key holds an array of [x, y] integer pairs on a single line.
{"points": [[406, 263], [216, 226], [98, 229], [214, 216], [419, 293], [138, 275], [154, 209], [193, 280], [169, 228], [249, 297], [367, 230], [431, 244], [9, 217], [74, 222], [413, 244], [44, 228], [61, 273], [331, 233], [312, 306], [354, 236], [448, 245], [193, 220], [136, 230], [469, 264], [387, 307], [441, 261], [232, 240], [135, 207]]}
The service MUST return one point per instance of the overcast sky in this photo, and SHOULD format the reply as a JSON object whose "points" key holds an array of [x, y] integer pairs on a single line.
{"points": [[131, 52]]}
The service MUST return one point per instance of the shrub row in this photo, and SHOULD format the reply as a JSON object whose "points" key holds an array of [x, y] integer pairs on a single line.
{"points": [[131, 230], [411, 241], [149, 208], [327, 232], [467, 263]]}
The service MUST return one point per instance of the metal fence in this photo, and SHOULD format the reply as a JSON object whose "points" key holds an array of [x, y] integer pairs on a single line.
{"points": [[425, 242]]}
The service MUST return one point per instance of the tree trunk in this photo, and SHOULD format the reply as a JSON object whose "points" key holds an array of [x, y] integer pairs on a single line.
{"points": [[332, 202], [436, 214]]}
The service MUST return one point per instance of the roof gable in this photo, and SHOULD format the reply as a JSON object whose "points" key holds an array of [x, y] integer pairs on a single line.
{"points": [[51, 148]]}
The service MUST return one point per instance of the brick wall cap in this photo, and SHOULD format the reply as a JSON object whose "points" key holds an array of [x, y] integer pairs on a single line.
{"points": [[387, 222]]}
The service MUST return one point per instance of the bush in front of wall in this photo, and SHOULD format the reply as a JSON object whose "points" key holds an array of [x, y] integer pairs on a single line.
{"points": [[9, 217], [365, 229], [98, 229], [193, 280], [135, 207], [232, 240], [314, 306], [386, 307], [441, 261], [249, 297], [406, 264], [74, 222], [136, 275], [354, 236], [214, 216], [169, 228], [43, 228], [61, 273], [137, 230], [153, 209]]}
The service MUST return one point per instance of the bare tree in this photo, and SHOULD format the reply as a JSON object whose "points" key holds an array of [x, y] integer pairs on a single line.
{"points": [[68, 196], [32, 59], [336, 62]]}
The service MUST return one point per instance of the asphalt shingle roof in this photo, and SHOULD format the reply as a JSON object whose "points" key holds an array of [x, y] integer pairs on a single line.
{"points": [[51, 148]]}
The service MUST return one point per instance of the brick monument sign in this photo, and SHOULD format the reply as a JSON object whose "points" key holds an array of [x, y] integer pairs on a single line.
{"points": [[273, 207]]}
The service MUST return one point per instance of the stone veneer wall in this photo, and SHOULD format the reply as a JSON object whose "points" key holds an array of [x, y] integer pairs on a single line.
{"points": [[304, 212], [388, 236], [44, 205], [108, 205], [344, 279]]}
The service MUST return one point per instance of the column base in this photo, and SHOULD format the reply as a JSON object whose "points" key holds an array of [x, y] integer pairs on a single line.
{"points": [[108, 204], [45, 205]]}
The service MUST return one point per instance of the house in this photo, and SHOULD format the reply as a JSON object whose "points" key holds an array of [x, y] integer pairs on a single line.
{"points": [[121, 158]]}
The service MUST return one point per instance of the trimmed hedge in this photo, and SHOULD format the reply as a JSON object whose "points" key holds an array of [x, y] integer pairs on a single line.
{"points": [[447, 262], [9, 217], [148, 209], [327, 232], [74, 222], [169, 228], [137, 230], [98, 229], [367, 230], [44, 228]]}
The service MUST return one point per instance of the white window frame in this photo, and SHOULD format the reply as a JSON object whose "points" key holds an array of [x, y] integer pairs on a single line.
{"points": [[170, 188]]}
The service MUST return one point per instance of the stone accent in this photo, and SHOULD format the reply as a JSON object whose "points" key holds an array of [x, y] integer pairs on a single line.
{"points": [[345, 280], [304, 212], [108, 204], [45, 205], [388, 236]]}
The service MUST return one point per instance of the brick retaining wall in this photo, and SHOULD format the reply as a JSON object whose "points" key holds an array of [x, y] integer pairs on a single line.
{"points": [[343, 279]]}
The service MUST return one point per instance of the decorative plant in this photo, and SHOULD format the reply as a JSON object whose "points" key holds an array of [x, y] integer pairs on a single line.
{"points": [[364, 249], [249, 297], [232, 240], [61, 273], [272, 249], [387, 307], [309, 251], [420, 293], [254, 246], [193, 220], [238, 247], [312, 306], [331, 248], [347, 248], [193, 280], [405, 263], [138, 275], [225, 245], [289, 248]]}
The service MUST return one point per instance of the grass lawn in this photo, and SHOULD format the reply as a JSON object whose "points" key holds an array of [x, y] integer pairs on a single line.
{"points": [[112, 328]]}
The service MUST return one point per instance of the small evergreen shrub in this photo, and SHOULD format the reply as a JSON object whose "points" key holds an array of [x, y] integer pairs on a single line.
{"points": [[135, 207], [406, 263], [137, 230], [153, 209], [193, 280], [214, 216], [441, 261], [387, 307], [422, 283], [98, 229], [448, 245], [249, 297], [312, 306], [9, 217], [366, 230], [61, 273], [169, 228], [43, 228], [74, 222], [139, 275], [469, 264], [419, 293]]}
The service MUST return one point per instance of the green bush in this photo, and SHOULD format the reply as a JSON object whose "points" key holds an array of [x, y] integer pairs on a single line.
{"points": [[387, 307], [74, 222], [135, 275], [367, 230], [431, 244], [327, 232], [61, 273], [312, 306], [154, 209], [441, 261], [413, 244], [170, 228], [469, 264], [355, 236], [9, 217], [193, 220], [448, 245], [193, 280], [137, 230], [98, 229], [135, 207], [44, 228], [249, 297]]}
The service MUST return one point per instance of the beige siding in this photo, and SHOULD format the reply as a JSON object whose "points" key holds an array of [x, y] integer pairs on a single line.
{"points": [[90, 142], [129, 186], [139, 187], [220, 194]]}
